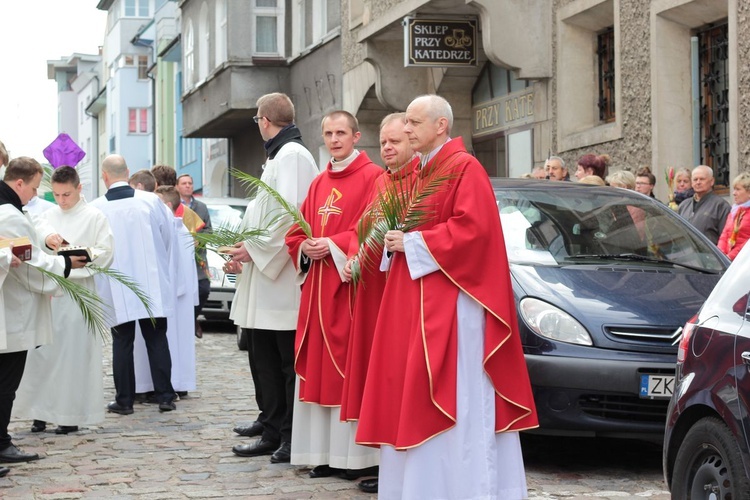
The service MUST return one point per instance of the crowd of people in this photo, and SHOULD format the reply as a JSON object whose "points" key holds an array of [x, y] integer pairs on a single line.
{"points": [[691, 195], [347, 341]]}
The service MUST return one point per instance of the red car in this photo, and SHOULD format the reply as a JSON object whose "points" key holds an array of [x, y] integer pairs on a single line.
{"points": [[706, 452]]}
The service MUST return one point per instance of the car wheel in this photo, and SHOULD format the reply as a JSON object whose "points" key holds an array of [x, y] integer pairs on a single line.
{"points": [[709, 464], [242, 339]]}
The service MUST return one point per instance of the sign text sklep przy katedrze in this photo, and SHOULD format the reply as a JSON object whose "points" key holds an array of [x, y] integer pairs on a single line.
{"points": [[440, 42]]}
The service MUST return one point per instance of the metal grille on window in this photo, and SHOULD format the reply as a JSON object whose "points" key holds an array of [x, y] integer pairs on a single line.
{"points": [[606, 58], [714, 101]]}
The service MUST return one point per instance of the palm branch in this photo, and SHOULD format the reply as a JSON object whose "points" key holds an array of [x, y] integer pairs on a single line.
{"points": [[402, 205], [88, 301], [226, 237], [126, 281], [253, 185]]}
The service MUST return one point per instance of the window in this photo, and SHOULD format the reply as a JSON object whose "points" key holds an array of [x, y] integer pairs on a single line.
{"points": [[315, 20], [142, 67], [587, 76], [714, 101], [189, 63], [606, 61], [127, 61], [204, 41], [221, 31], [138, 121], [136, 8], [268, 17]]}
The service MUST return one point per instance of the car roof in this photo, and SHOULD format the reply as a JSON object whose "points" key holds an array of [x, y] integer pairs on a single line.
{"points": [[502, 184]]}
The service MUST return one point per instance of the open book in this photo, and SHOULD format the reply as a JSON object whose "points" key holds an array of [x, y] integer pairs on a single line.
{"points": [[80, 251]]}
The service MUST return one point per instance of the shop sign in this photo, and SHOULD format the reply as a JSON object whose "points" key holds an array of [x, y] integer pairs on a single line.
{"points": [[505, 112], [440, 42]]}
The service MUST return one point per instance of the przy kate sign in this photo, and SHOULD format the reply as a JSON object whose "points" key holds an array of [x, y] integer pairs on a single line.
{"points": [[440, 42]]}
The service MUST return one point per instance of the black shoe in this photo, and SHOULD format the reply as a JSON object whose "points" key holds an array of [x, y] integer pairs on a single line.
{"points": [[38, 426], [12, 454], [283, 455], [369, 485], [254, 429], [4, 471], [114, 407], [352, 474], [324, 471], [146, 398], [260, 447], [167, 406], [66, 429]]}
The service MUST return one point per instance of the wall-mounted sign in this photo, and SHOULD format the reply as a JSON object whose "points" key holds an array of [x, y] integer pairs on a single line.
{"points": [[503, 113], [440, 42]]}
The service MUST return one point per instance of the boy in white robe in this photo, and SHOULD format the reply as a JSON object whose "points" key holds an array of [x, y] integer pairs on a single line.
{"points": [[62, 381], [180, 326]]}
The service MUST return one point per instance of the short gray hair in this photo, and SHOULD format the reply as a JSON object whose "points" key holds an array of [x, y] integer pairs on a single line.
{"points": [[562, 162], [437, 107]]}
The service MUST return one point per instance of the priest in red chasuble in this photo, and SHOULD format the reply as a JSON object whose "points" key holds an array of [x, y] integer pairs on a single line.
{"points": [[334, 204], [447, 388]]}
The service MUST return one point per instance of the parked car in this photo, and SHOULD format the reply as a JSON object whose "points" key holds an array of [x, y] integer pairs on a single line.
{"points": [[224, 212], [604, 279], [706, 452]]}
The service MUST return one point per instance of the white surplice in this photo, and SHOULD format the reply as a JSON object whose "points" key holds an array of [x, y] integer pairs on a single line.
{"points": [[142, 253], [5, 257], [181, 324], [62, 381], [25, 290], [470, 460]]}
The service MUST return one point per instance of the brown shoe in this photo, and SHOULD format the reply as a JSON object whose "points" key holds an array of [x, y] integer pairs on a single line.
{"points": [[198, 329]]}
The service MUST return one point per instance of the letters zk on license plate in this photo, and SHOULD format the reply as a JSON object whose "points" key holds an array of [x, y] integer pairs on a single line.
{"points": [[657, 386]]}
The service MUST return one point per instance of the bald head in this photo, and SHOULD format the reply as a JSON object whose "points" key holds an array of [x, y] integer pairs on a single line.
{"points": [[114, 169]]}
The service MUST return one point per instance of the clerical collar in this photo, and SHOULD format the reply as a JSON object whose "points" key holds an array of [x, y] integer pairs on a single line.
{"points": [[339, 165], [118, 184], [429, 156]]}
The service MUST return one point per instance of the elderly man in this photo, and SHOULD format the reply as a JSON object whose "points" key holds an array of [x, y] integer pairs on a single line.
{"points": [[556, 169], [447, 388], [143, 231], [705, 210]]}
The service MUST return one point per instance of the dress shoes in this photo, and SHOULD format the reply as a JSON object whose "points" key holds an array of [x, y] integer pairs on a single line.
{"points": [[260, 447], [38, 426], [4, 471], [66, 429], [369, 485], [198, 329], [283, 455], [254, 429], [352, 474], [324, 471], [11, 454], [115, 407], [167, 406]]}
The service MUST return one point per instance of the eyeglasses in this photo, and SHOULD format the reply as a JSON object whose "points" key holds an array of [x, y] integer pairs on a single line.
{"points": [[256, 119]]}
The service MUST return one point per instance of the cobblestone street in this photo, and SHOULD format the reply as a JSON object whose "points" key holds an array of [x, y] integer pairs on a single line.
{"points": [[187, 453]]}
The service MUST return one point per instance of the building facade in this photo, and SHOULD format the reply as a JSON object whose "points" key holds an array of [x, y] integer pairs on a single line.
{"points": [[654, 83]]}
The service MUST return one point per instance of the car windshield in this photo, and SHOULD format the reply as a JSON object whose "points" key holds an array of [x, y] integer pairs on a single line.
{"points": [[225, 216], [561, 227]]}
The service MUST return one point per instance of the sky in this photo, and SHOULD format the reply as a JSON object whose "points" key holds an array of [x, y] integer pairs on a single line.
{"points": [[31, 33]]}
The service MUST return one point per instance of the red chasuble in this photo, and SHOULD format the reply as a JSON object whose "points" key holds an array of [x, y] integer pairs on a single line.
{"points": [[333, 206], [410, 391], [367, 299]]}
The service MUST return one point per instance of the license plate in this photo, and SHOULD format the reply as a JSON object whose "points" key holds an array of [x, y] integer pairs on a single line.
{"points": [[657, 386]]}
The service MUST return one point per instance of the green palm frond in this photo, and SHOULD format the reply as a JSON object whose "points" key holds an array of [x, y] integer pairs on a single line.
{"points": [[93, 309], [253, 185], [126, 281], [404, 204], [227, 237]]}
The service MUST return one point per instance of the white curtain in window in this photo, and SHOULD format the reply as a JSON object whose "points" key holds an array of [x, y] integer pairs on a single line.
{"points": [[265, 34]]}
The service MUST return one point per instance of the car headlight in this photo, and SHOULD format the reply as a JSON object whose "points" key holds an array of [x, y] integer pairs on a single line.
{"points": [[553, 323]]}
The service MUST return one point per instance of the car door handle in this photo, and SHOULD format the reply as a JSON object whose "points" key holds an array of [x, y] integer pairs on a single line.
{"points": [[745, 357]]}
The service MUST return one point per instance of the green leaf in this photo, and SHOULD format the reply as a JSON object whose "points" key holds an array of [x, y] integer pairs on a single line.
{"points": [[92, 307], [128, 282]]}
